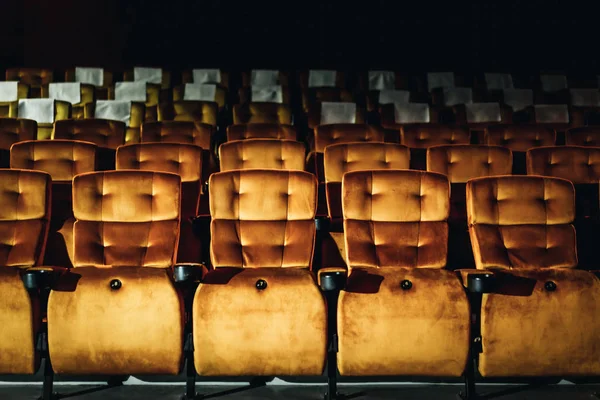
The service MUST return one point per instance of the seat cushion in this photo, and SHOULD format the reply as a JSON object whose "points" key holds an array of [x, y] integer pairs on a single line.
{"points": [[529, 331], [385, 330], [19, 323], [242, 331], [137, 329]]}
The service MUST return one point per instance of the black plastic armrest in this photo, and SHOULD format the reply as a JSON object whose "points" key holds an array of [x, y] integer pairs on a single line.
{"points": [[482, 282], [41, 278], [189, 272], [332, 278]]}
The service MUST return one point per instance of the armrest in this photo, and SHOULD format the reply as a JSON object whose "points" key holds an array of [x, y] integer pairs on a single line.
{"points": [[189, 272], [478, 280], [322, 223], [36, 278], [332, 278]]}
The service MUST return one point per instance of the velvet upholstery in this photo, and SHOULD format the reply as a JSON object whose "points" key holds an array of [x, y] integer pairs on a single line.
{"points": [[264, 232], [87, 93], [220, 95], [576, 163], [196, 111], [314, 115], [395, 230], [521, 228], [126, 229], [262, 153], [355, 156], [184, 160], [585, 136], [519, 138], [34, 77], [63, 160], [262, 113], [461, 162], [104, 133], [24, 221], [197, 133], [422, 136], [153, 103], [8, 109], [13, 130], [137, 118], [261, 131], [62, 111], [387, 116], [326, 135]]}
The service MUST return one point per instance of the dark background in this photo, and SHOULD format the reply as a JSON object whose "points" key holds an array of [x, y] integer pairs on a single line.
{"points": [[516, 36]]}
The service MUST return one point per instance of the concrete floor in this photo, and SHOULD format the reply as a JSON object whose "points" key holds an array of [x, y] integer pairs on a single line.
{"points": [[281, 390]]}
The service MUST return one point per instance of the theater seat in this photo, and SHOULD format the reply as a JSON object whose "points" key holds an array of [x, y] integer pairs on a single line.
{"points": [[541, 318], [261, 250], [261, 131], [132, 113], [262, 113], [519, 139], [401, 312], [184, 160], [584, 136], [201, 92], [78, 94], [346, 157], [460, 163], [326, 113], [206, 76], [126, 237], [152, 75], [265, 77], [101, 78], [580, 165], [106, 134], [45, 112], [34, 77], [10, 95], [395, 116], [195, 111], [13, 130], [63, 160], [24, 221], [419, 137], [262, 154]]}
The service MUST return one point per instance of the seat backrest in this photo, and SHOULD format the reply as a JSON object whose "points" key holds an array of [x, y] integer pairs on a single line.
{"points": [[576, 163], [165, 76], [205, 76], [261, 131], [196, 111], [24, 217], [461, 162], [422, 136], [201, 92], [106, 76], [329, 113], [62, 159], [102, 132], [263, 154], [262, 113], [184, 160], [126, 218], [395, 218], [519, 137], [262, 77], [394, 116], [271, 225], [30, 76], [521, 222], [189, 132], [13, 130], [357, 156], [326, 135], [584, 136]]}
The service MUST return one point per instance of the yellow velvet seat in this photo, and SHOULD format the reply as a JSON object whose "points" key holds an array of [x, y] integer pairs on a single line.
{"points": [[24, 221], [401, 312], [62, 110], [220, 95], [106, 134], [262, 113], [262, 154], [13, 130], [585, 136], [387, 117], [519, 139], [184, 160], [187, 110], [126, 235], [87, 93], [259, 312], [136, 119], [580, 165], [129, 75], [314, 115], [9, 109], [261, 131], [419, 137], [101, 91], [542, 317], [155, 98], [34, 77], [63, 160], [187, 76], [461, 162]]}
